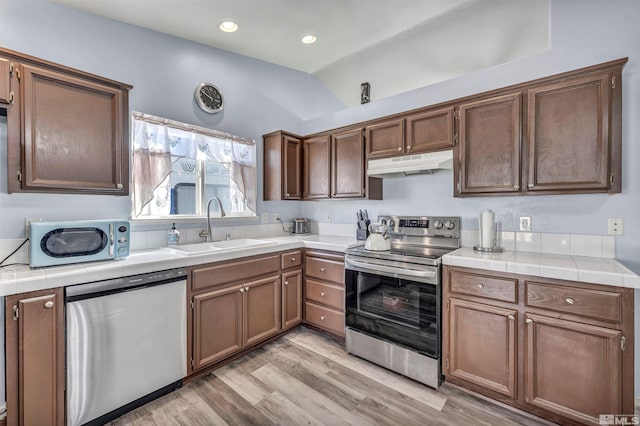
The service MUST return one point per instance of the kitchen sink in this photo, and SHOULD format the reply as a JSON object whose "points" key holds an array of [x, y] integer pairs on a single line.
{"points": [[217, 246]]}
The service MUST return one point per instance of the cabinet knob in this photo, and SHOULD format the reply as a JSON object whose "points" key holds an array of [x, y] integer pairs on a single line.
{"points": [[48, 304], [293, 259], [322, 294], [479, 286], [570, 300], [242, 290], [286, 283], [516, 186], [408, 147], [322, 269], [321, 317], [287, 194], [246, 288], [511, 317], [119, 186], [399, 148], [529, 321]]}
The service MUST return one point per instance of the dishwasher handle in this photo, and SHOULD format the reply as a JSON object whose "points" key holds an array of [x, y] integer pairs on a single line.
{"points": [[118, 285]]}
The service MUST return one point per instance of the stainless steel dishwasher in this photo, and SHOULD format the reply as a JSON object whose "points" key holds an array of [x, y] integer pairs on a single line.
{"points": [[126, 343]]}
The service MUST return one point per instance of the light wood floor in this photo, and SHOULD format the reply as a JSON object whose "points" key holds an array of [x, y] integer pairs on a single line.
{"points": [[305, 378]]}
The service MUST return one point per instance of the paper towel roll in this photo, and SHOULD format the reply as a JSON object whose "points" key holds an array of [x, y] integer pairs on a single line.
{"points": [[487, 229]]}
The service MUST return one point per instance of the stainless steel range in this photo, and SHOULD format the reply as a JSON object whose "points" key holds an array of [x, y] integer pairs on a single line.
{"points": [[394, 298]]}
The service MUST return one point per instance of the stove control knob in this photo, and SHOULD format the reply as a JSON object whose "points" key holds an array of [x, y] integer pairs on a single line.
{"points": [[437, 224], [449, 224]]}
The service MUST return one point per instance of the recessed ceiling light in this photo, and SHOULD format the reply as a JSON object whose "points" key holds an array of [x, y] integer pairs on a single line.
{"points": [[309, 38], [228, 26]]}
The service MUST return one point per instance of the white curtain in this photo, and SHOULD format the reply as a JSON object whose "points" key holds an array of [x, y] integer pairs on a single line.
{"points": [[157, 140]]}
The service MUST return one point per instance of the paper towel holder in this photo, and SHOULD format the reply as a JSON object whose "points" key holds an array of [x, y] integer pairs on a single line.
{"points": [[487, 228]]}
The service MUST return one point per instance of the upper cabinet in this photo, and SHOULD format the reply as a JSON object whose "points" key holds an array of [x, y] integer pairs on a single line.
{"points": [[489, 148], [348, 171], [282, 166], [414, 133], [570, 135], [67, 131], [317, 168]]}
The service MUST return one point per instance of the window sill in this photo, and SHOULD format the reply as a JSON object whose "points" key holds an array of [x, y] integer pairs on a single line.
{"points": [[135, 222]]}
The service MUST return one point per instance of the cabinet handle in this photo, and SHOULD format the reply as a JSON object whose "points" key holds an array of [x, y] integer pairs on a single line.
{"points": [[529, 321], [479, 286], [516, 186], [286, 195], [286, 283], [48, 304], [321, 317], [322, 269], [511, 317], [242, 290], [246, 288], [399, 148], [119, 186], [570, 300], [322, 294]]}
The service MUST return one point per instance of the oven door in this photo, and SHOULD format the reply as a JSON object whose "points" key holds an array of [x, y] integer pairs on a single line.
{"points": [[395, 308]]}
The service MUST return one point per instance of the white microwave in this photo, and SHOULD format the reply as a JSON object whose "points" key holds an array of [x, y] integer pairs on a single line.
{"points": [[61, 243]]}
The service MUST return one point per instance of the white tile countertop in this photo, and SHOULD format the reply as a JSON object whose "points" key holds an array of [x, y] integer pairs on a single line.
{"points": [[20, 279], [596, 270]]}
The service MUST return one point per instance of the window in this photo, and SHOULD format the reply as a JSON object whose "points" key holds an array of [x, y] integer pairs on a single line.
{"points": [[177, 167]]}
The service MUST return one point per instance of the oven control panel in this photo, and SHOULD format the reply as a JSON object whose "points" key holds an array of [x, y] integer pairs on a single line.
{"points": [[427, 226]]}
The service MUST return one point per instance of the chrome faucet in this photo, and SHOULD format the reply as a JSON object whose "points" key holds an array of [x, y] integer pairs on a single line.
{"points": [[206, 233]]}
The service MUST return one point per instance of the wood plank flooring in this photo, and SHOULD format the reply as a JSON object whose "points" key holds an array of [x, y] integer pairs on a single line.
{"points": [[305, 378]]}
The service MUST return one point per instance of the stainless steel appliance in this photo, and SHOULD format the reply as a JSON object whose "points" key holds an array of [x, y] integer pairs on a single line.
{"points": [[394, 297], [60, 243], [300, 226], [126, 344]]}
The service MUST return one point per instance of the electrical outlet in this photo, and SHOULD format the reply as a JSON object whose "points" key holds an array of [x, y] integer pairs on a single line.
{"points": [[276, 216], [265, 217], [616, 226], [27, 223], [525, 223]]}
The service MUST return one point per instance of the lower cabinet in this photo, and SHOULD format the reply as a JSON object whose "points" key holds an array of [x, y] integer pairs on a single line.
{"points": [[559, 349], [291, 298], [324, 291], [572, 369], [35, 358]]}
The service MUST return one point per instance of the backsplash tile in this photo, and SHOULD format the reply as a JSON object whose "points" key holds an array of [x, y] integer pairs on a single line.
{"points": [[556, 243], [586, 245], [528, 241], [608, 246]]}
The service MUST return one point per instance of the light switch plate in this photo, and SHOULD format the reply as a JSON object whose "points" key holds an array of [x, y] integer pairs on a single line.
{"points": [[525, 223], [616, 226]]}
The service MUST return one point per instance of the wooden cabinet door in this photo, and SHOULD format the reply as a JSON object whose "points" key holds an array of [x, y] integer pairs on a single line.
{"points": [[482, 345], [35, 358], [291, 299], [385, 139], [317, 166], [488, 155], [429, 131], [347, 174], [217, 325], [291, 168], [5, 81], [572, 369], [73, 136], [568, 134], [261, 309]]}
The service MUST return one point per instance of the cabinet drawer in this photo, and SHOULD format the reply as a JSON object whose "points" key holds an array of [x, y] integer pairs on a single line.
{"points": [[327, 270], [604, 305], [326, 318], [291, 259], [326, 294], [504, 289], [228, 272]]}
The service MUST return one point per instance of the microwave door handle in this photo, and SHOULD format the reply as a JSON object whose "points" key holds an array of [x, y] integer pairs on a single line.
{"points": [[111, 240], [408, 272]]}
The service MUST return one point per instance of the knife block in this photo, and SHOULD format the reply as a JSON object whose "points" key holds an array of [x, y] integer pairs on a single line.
{"points": [[362, 234]]}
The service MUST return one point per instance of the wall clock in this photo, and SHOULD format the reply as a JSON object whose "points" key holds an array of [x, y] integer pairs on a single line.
{"points": [[209, 98]]}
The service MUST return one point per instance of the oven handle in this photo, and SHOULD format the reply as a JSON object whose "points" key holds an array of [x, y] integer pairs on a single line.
{"points": [[400, 271]]}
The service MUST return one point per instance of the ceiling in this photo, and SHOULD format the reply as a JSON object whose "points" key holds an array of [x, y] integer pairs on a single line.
{"points": [[393, 44]]}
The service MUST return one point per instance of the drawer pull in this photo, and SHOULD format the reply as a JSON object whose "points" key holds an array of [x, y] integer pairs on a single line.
{"points": [[321, 317], [511, 317], [322, 294], [48, 304], [570, 300], [479, 286], [529, 321], [242, 290], [286, 283], [322, 269], [293, 259]]}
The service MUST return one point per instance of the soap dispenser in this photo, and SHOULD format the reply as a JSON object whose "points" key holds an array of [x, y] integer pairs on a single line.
{"points": [[173, 236]]}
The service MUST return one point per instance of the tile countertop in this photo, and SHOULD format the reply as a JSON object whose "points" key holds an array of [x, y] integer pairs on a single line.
{"points": [[595, 270], [20, 279]]}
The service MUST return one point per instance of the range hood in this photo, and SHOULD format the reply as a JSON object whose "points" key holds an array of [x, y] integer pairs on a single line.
{"points": [[407, 165]]}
